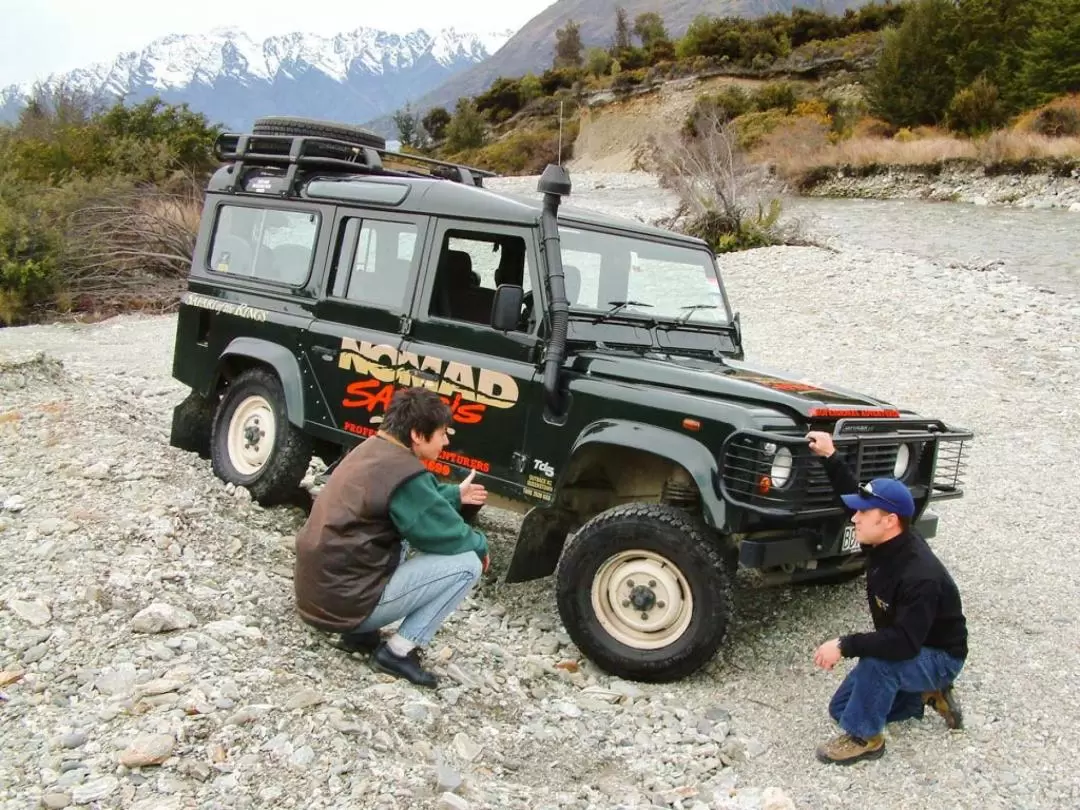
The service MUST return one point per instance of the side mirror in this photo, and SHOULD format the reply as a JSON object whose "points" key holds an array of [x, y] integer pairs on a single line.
{"points": [[506, 309]]}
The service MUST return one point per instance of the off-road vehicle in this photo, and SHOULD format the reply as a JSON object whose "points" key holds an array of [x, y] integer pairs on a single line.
{"points": [[593, 365]]}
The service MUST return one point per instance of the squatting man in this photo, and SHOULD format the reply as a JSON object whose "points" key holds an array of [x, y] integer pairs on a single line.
{"points": [[919, 643], [353, 573]]}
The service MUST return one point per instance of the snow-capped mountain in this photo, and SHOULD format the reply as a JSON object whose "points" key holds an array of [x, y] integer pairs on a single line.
{"points": [[355, 76]]}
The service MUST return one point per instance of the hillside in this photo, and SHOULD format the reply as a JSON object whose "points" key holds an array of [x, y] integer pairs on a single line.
{"points": [[232, 78], [531, 48]]}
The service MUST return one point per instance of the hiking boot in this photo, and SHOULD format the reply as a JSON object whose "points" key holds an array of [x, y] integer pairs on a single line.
{"points": [[359, 642], [847, 749], [407, 667], [944, 702]]}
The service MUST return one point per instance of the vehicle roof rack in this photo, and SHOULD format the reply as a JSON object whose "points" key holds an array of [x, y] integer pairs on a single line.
{"points": [[318, 152]]}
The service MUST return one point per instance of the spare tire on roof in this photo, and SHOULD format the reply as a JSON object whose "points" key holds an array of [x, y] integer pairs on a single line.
{"points": [[290, 125]]}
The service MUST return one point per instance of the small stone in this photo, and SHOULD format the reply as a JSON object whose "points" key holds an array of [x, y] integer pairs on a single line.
{"points": [[568, 709], [773, 798], [75, 739], [302, 757], [35, 613], [718, 715], [304, 699], [15, 503], [162, 618], [416, 711], [451, 801], [246, 714], [1075, 208], [466, 748], [56, 801], [627, 690], [117, 681], [148, 749], [95, 790], [446, 778], [48, 526], [35, 653], [160, 686], [96, 471], [8, 677]]}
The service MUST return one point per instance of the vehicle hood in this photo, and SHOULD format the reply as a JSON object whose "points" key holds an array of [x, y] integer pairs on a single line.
{"points": [[728, 379]]}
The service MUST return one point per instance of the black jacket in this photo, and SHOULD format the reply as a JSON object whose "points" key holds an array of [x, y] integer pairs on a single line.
{"points": [[913, 599]]}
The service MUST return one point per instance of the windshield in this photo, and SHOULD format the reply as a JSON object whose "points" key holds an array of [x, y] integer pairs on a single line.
{"points": [[637, 277]]}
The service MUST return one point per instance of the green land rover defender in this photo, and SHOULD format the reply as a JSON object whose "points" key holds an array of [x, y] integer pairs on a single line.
{"points": [[593, 365]]}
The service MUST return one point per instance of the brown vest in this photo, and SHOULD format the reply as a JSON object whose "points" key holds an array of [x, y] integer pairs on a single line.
{"points": [[349, 547]]}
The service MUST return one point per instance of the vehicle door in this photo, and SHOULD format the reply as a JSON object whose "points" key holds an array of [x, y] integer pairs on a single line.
{"points": [[489, 378], [352, 345]]}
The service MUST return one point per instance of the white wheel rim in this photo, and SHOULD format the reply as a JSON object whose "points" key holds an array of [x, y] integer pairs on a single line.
{"points": [[252, 431], [642, 599]]}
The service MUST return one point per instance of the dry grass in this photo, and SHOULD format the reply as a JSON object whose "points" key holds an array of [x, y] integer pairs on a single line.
{"points": [[803, 147]]}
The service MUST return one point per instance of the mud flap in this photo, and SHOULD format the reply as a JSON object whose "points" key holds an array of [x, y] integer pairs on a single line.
{"points": [[539, 545], [191, 425]]}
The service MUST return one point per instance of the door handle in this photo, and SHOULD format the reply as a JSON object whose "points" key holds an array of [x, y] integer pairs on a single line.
{"points": [[326, 352], [425, 374]]}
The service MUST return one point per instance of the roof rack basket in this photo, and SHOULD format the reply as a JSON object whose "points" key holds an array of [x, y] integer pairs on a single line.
{"points": [[317, 152]]}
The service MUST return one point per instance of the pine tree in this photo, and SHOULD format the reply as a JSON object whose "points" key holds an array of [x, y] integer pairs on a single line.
{"points": [[622, 30], [913, 82], [568, 47], [1052, 58]]}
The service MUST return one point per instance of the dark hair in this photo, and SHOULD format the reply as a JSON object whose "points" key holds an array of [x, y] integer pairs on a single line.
{"points": [[416, 409]]}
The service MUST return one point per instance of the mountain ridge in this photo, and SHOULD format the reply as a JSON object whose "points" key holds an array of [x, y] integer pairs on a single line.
{"points": [[233, 78]]}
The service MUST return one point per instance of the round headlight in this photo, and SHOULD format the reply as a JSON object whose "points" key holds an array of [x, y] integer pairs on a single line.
{"points": [[903, 461], [781, 467]]}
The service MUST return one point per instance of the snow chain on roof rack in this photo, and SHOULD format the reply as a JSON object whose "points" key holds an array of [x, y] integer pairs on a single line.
{"points": [[313, 152]]}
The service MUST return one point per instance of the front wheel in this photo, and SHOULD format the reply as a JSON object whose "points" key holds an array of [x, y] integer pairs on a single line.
{"points": [[644, 592], [253, 443]]}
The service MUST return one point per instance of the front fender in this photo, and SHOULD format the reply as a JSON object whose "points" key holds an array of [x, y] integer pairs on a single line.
{"points": [[678, 448], [284, 364]]}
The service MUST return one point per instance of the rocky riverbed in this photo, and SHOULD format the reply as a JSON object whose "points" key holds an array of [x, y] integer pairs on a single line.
{"points": [[1041, 191], [151, 658]]}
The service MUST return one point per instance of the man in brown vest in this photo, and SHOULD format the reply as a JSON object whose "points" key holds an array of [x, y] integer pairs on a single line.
{"points": [[352, 576]]}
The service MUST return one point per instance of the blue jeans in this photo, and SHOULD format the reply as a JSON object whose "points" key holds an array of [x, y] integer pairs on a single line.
{"points": [[423, 591], [877, 691]]}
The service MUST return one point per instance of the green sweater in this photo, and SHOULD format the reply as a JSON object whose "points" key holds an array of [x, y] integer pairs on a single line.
{"points": [[426, 513]]}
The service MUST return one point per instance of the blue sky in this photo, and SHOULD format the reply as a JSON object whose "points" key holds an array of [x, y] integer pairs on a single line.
{"points": [[38, 37]]}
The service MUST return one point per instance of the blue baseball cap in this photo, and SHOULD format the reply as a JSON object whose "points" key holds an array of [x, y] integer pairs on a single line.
{"points": [[882, 493]]}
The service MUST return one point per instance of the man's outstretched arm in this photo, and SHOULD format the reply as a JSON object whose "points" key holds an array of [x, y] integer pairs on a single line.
{"points": [[840, 476]]}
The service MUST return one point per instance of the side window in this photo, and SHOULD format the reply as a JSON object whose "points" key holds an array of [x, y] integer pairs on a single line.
{"points": [[471, 266], [264, 243], [374, 260]]}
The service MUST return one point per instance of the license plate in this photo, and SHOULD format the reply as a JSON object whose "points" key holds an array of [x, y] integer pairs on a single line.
{"points": [[849, 544]]}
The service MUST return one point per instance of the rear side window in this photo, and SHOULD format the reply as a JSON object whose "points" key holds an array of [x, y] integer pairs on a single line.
{"points": [[264, 243], [374, 262]]}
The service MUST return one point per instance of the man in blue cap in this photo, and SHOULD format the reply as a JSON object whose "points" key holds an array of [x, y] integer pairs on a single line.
{"points": [[919, 642]]}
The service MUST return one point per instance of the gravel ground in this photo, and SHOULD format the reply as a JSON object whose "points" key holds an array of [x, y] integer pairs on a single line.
{"points": [[223, 699]]}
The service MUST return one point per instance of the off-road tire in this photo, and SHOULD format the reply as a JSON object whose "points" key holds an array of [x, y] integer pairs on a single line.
{"points": [[192, 423], [684, 542], [289, 125], [280, 476]]}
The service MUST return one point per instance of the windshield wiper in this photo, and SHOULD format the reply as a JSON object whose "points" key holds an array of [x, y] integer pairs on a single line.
{"points": [[616, 306], [690, 310]]}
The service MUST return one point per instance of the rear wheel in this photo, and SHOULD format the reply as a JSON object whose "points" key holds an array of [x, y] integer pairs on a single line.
{"points": [[253, 443], [644, 592]]}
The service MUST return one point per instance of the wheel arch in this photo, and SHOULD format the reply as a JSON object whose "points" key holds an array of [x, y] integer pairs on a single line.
{"points": [[244, 353], [612, 462]]}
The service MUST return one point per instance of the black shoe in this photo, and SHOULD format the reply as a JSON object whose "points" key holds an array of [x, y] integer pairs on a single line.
{"points": [[359, 642], [407, 667]]}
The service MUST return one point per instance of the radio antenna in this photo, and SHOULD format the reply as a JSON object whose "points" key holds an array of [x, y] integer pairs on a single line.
{"points": [[560, 130]]}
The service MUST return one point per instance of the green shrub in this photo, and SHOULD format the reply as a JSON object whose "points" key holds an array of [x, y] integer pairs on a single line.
{"points": [[976, 108], [1057, 121], [776, 96]]}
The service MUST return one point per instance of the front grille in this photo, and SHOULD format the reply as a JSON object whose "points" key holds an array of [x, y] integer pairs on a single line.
{"points": [[869, 449]]}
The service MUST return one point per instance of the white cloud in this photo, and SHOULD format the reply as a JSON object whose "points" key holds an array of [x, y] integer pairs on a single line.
{"points": [[47, 36]]}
